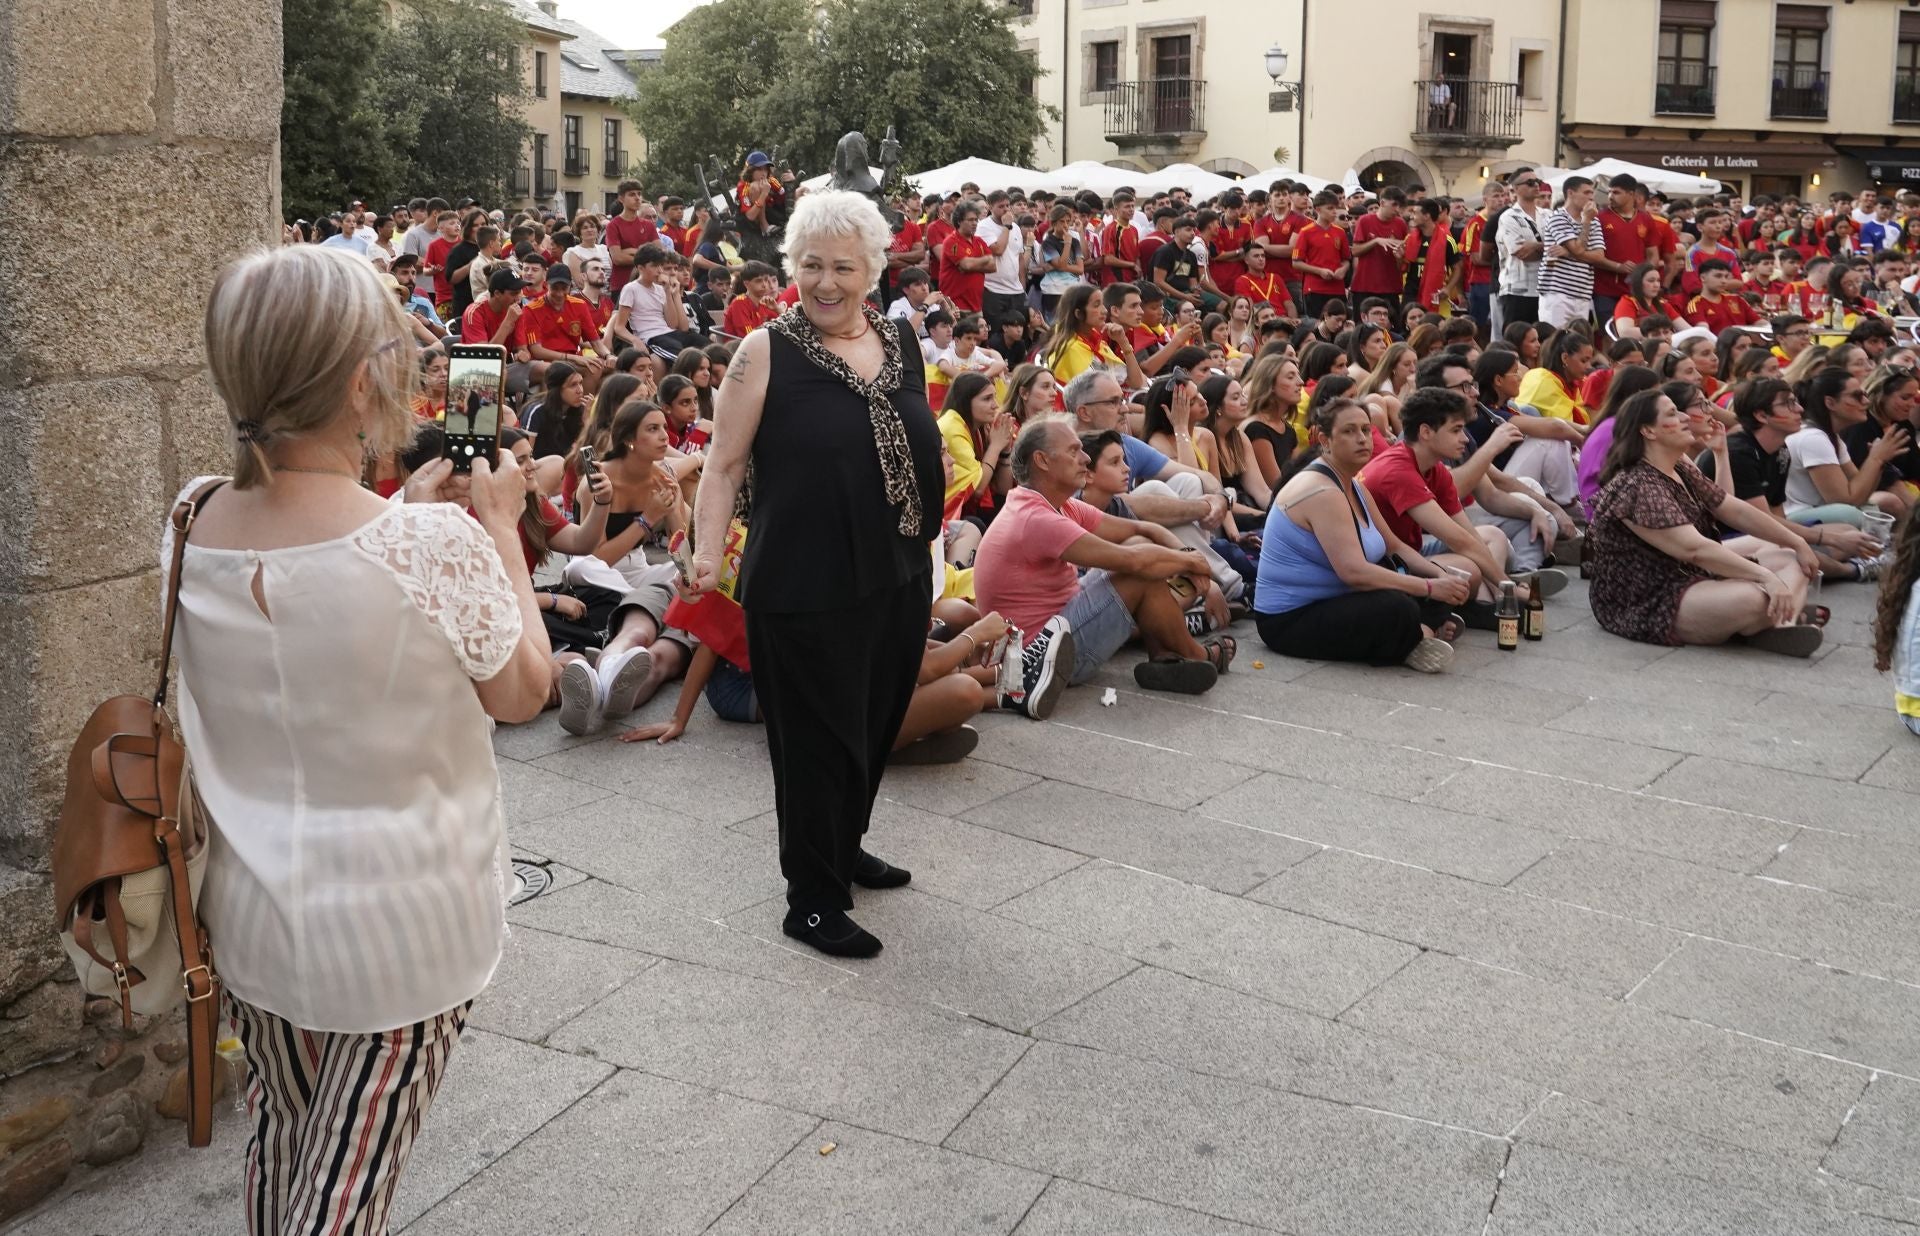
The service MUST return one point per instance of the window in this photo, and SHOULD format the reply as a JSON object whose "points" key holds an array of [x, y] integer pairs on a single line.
{"points": [[1106, 65], [572, 124], [1906, 70], [1173, 56], [1683, 73], [1533, 75], [539, 75], [615, 163], [573, 204], [1799, 54], [1030, 74], [610, 204], [1453, 55], [539, 152]]}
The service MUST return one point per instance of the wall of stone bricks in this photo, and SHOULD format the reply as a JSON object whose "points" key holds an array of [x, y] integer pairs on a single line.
{"points": [[138, 146]]}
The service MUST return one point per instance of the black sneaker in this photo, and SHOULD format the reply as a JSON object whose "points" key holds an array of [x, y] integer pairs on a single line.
{"points": [[1044, 668]]}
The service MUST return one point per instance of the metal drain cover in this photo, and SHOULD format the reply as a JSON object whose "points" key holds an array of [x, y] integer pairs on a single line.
{"points": [[529, 881]]}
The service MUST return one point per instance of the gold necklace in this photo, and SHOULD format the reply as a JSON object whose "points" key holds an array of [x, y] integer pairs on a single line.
{"points": [[352, 476]]}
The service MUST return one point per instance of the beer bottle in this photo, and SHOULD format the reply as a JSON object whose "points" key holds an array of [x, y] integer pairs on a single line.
{"points": [[1536, 616], [1507, 614]]}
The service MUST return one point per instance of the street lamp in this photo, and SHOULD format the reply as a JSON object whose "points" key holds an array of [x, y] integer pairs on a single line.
{"points": [[1286, 95]]}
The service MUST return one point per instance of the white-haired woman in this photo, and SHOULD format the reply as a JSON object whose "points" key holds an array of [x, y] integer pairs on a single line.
{"points": [[828, 405], [341, 660]]}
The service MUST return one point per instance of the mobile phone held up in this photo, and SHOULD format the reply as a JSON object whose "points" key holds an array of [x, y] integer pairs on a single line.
{"points": [[476, 391]]}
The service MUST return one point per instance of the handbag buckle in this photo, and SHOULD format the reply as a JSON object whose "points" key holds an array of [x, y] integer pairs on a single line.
{"points": [[186, 981], [120, 978]]}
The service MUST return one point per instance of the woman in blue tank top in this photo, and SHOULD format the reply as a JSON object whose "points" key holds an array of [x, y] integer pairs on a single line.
{"points": [[1335, 584]]}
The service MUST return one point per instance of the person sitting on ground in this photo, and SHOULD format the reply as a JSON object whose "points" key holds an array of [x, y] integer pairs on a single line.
{"points": [[1414, 492], [1661, 572], [753, 305], [1757, 467], [1106, 490], [1628, 382], [1382, 389], [1893, 402], [1545, 453], [1554, 388], [1172, 425], [1083, 336], [643, 652], [977, 434], [1273, 407], [556, 421], [1229, 412], [1823, 484], [1896, 623], [968, 352], [1031, 391], [1073, 623], [1326, 589]]}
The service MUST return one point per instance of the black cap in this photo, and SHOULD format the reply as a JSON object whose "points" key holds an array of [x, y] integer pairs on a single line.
{"points": [[558, 273], [504, 280]]}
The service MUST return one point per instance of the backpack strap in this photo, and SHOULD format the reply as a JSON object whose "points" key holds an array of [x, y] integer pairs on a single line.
{"points": [[184, 513]]}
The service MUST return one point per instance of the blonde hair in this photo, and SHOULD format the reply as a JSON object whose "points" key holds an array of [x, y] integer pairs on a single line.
{"points": [[1380, 381], [837, 213], [287, 332]]}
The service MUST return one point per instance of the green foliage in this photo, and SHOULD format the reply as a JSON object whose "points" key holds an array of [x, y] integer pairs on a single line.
{"points": [[738, 75], [384, 103]]}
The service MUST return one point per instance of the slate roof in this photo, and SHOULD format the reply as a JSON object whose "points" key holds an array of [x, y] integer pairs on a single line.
{"points": [[586, 67]]}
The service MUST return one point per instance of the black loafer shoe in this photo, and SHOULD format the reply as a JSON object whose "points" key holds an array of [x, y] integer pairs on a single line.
{"points": [[871, 872], [832, 932]]}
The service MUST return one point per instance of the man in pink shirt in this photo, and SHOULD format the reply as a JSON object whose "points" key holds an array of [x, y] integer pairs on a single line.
{"points": [[1025, 571]]}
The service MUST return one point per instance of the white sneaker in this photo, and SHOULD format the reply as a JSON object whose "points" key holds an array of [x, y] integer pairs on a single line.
{"points": [[621, 677], [583, 702]]}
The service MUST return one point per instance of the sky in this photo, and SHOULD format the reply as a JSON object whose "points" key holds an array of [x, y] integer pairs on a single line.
{"points": [[629, 23]]}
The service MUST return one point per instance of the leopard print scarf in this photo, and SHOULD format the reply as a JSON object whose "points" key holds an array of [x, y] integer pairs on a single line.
{"points": [[889, 433]]}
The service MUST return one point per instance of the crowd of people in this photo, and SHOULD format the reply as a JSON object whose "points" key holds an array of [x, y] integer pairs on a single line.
{"points": [[1353, 417]]}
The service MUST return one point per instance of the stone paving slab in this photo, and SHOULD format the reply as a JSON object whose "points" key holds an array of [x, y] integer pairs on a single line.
{"points": [[1071, 1209], [1881, 1144]]}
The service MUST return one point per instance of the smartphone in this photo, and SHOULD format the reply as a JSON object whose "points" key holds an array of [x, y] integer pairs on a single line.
{"points": [[588, 467], [476, 389]]}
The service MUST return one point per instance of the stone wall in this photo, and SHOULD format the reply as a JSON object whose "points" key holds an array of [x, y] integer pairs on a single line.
{"points": [[139, 142]]}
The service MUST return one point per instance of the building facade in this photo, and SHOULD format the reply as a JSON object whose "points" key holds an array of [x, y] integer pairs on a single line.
{"points": [[1750, 92], [1767, 97], [1395, 93], [584, 141]]}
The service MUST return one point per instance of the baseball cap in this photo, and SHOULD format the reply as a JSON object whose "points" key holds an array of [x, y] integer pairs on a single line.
{"points": [[558, 273], [758, 159], [504, 280]]}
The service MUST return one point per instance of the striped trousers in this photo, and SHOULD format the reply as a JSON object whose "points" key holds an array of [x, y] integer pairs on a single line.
{"points": [[334, 1118]]}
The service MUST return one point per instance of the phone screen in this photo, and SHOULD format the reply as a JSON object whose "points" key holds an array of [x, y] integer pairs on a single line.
{"points": [[476, 386]]}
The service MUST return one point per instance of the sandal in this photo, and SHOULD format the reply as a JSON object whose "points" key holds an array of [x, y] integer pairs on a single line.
{"points": [[1794, 641], [1176, 674], [1815, 616], [1220, 653], [1451, 629], [1430, 656]]}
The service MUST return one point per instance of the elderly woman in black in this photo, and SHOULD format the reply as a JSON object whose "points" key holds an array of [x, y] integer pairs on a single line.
{"points": [[823, 417]]}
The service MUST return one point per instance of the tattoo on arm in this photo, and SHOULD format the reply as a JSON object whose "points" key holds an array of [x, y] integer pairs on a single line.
{"points": [[737, 371]]}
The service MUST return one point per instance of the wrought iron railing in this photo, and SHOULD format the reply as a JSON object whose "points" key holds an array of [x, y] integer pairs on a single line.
{"points": [[1156, 105], [1466, 111], [1683, 88], [1800, 94]]}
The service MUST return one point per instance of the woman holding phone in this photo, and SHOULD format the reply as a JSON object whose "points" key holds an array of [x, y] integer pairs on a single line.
{"points": [[308, 609]]}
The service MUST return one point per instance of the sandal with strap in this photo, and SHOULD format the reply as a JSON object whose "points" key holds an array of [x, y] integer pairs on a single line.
{"points": [[1451, 629], [1221, 652], [1815, 616]]}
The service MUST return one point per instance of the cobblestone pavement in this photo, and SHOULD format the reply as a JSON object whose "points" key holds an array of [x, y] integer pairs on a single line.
{"points": [[1595, 937]]}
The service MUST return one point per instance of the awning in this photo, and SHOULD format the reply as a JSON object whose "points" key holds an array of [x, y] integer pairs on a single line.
{"points": [[1677, 153], [1889, 163]]}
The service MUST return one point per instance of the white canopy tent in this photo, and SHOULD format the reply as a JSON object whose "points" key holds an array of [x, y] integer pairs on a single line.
{"points": [[983, 172], [1265, 177], [1197, 181], [1087, 174], [1660, 179]]}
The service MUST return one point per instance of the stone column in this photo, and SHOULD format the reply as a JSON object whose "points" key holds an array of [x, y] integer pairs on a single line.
{"points": [[139, 145]]}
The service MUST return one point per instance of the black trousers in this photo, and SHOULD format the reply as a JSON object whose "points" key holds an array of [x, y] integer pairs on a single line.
{"points": [[1376, 626], [834, 687], [1520, 309], [998, 306]]}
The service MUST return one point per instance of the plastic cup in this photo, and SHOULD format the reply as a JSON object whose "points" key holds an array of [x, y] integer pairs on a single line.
{"points": [[1878, 525]]}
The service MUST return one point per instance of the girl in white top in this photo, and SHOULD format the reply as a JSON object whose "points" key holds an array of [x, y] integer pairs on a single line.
{"points": [[341, 661], [1823, 485], [586, 228]]}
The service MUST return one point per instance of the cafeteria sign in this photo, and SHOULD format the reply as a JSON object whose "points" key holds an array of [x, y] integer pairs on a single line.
{"points": [[1709, 163]]}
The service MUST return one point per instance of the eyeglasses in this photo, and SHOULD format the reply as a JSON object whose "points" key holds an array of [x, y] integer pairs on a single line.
{"points": [[1465, 388], [1103, 403], [1851, 396]]}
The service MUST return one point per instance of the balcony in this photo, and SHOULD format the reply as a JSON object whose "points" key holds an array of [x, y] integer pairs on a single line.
{"points": [[614, 162], [578, 161], [1157, 116], [1683, 88], [545, 181], [1462, 112], [520, 181], [1906, 97], [1800, 94]]}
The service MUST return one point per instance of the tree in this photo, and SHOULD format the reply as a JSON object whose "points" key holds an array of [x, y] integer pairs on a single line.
{"points": [[336, 141], [739, 75], [460, 95]]}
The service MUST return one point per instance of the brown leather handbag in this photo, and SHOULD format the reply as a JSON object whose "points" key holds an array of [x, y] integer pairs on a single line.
{"points": [[121, 852]]}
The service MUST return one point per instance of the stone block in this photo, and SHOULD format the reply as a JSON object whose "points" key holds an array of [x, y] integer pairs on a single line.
{"points": [[1155, 1015], [224, 67], [1783, 795], [1276, 955], [40, 1026], [1068, 1208], [55, 667], [1602, 761], [120, 1073], [26, 1178], [1470, 846], [691, 864], [27, 1127], [1825, 741], [951, 789], [688, 783], [545, 979], [1760, 1096], [115, 1128], [173, 1102], [46, 90], [1183, 844], [167, 1187], [531, 793], [1880, 1146], [80, 438], [1172, 778], [30, 953], [870, 1181], [954, 957], [1495, 925], [638, 1145], [1233, 1150], [199, 434], [904, 1071], [120, 256], [1867, 936], [1464, 693]]}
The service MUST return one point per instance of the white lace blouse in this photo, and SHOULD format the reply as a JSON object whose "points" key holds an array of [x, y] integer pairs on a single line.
{"points": [[357, 876]]}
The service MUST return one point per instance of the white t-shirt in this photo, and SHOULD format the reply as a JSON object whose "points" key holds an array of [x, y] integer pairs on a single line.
{"points": [[1518, 277], [646, 309], [1004, 278], [975, 361], [578, 257], [1807, 447], [901, 308]]}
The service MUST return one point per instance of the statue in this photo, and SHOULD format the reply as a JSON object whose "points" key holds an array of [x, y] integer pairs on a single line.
{"points": [[853, 173]]}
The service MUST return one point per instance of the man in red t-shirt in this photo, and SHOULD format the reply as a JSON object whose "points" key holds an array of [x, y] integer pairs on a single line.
{"points": [[1663, 242], [965, 259], [1478, 279], [625, 233], [1323, 255], [1228, 261], [672, 211], [436, 264], [1629, 236], [1718, 307], [939, 228], [1414, 489], [1380, 249], [1262, 285], [1160, 234], [560, 327], [1120, 244]]}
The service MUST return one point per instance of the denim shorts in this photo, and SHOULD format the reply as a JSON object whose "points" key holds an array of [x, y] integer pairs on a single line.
{"points": [[730, 693], [1101, 624], [1432, 545]]}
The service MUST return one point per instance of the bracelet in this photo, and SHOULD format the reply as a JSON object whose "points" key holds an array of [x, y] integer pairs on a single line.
{"points": [[608, 502], [646, 523], [972, 643], [1429, 589]]}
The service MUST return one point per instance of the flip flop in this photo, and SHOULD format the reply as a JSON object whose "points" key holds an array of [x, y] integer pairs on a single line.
{"points": [[1450, 629], [1815, 616], [1794, 641], [944, 747], [1177, 675]]}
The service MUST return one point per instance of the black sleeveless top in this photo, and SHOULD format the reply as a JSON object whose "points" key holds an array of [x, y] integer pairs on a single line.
{"points": [[822, 534]]}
